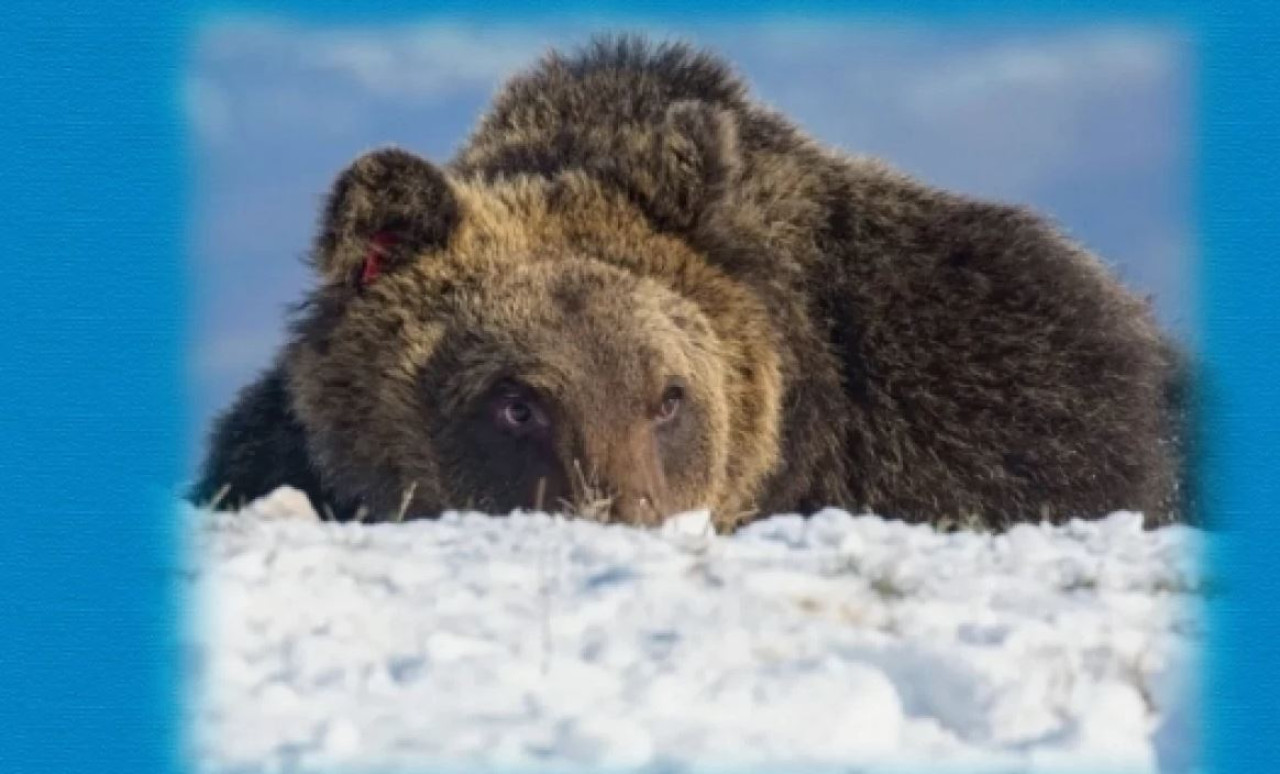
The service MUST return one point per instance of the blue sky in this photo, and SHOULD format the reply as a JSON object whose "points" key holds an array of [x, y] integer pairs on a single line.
{"points": [[1091, 125]]}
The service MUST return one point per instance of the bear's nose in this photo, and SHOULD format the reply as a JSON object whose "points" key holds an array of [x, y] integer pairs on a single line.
{"points": [[631, 476], [628, 509]]}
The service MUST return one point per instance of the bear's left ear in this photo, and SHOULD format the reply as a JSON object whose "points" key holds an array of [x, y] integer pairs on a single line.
{"points": [[692, 160], [384, 209]]}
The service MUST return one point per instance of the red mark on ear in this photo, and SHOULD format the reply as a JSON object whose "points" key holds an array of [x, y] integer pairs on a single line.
{"points": [[379, 246]]}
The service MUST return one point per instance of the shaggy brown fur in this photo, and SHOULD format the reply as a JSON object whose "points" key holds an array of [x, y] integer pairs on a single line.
{"points": [[635, 283]]}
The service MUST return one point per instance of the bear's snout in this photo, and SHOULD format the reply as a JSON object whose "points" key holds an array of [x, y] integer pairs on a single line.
{"points": [[626, 476]]}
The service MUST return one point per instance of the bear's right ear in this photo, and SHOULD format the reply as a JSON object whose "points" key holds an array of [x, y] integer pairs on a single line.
{"points": [[384, 209], [693, 160]]}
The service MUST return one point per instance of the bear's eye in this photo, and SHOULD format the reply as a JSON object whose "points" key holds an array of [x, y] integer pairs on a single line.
{"points": [[672, 398], [518, 412]]}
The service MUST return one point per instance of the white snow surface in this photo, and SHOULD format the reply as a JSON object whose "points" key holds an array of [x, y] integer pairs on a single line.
{"points": [[538, 643]]}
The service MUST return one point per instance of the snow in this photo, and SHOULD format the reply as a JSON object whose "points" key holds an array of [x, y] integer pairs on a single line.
{"points": [[536, 642]]}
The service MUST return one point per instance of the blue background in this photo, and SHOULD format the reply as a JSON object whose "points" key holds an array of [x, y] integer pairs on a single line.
{"points": [[96, 304]]}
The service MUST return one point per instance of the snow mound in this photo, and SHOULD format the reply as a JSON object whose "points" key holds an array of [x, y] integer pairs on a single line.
{"points": [[533, 642]]}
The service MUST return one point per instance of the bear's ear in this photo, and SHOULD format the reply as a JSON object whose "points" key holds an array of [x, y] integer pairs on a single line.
{"points": [[384, 209], [691, 161]]}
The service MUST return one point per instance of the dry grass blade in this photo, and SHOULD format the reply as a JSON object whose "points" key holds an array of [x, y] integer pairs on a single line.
{"points": [[218, 497], [597, 509], [405, 500], [589, 501]]}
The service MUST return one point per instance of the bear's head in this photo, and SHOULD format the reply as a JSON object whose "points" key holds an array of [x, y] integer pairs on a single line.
{"points": [[501, 342]]}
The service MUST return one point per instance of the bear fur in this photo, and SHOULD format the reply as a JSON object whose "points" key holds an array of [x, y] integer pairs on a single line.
{"points": [[637, 291]]}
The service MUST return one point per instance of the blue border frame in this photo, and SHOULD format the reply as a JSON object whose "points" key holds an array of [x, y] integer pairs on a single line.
{"points": [[92, 356]]}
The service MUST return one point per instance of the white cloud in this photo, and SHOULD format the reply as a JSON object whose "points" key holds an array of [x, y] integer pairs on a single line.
{"points": [[417, 61], [428, 61], [1060, 67], [999, 113]]}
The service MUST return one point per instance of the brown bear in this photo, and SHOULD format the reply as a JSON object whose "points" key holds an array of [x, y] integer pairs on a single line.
{"points": [[635, 291]]}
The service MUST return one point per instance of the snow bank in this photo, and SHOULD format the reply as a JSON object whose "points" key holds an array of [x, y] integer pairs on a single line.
{"points": [[532, 642]]}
